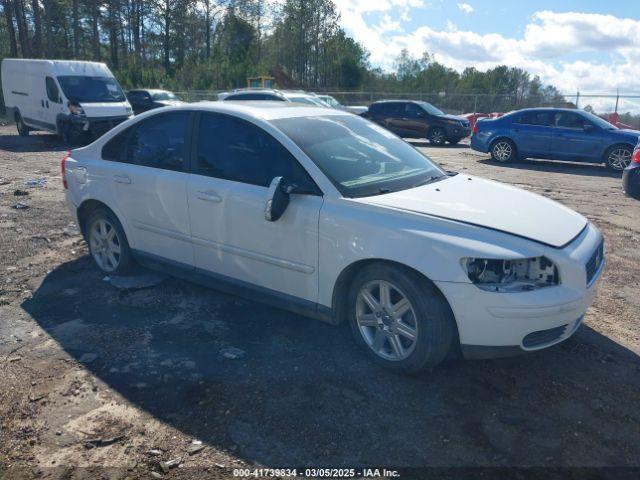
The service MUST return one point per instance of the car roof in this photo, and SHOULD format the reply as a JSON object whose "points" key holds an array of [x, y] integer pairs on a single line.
{"points": [[150, 90], [549, 109], [399, 100], [264, 109]]}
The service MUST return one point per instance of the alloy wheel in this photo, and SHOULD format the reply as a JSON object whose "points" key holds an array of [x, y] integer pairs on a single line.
{"points": [[386, 320], [620, 158], [437, 137], [502, 151], [105, 245]]}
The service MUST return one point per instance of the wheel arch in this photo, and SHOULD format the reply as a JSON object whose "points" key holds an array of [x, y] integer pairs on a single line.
{"points": [[431, 128], [503, 137], [346, 276], [608, 149], [86, 208]]}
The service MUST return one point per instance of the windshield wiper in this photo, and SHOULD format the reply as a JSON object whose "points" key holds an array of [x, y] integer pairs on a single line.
{"points": [[429, 180]]}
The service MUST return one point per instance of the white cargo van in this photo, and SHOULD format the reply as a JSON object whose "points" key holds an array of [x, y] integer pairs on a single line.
{"points": [[70, 98]]}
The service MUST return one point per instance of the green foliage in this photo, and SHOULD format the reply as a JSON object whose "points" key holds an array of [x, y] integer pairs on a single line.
{"points": [[216, 44]]}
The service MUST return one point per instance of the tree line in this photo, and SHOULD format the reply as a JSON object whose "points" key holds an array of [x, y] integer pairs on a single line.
{"points": [[217, 44]]}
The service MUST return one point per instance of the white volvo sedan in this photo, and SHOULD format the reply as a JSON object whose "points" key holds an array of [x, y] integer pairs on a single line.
{"points": [[327, 214]]}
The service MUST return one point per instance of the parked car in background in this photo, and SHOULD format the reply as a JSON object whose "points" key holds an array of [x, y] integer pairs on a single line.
{"points": [[253, 94], [415, 119], [558, 134], [70, 98], [142, 100], [296, 206], [631, 175], [474, 117], [333, 103]]}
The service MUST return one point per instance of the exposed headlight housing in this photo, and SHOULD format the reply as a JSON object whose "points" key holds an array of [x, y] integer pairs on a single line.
{"points": [[75, 109], [508, 276]]}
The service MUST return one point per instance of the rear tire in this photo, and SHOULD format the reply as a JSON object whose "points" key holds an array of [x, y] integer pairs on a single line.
{"points": [[406, 329], [108, 243], [618, 157], [23, 130], [437, 136], [503, 151]]}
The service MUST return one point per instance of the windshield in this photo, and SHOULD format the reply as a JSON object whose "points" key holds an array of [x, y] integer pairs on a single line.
{"points": [[164, 96], [359, 157], [308, 101], [91, 89], [431, 110], [329, 100]]}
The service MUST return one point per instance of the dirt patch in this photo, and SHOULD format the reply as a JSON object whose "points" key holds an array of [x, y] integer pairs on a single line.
{"points": [[105, 381]]}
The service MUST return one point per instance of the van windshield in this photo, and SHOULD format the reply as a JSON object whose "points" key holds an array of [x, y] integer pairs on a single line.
{"points": [[91, 89]]}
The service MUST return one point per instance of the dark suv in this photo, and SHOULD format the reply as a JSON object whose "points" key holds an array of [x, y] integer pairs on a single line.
{"points": [[414, 119]]}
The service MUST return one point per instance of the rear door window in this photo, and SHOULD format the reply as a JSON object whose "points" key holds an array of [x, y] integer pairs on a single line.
{"points": [[159, 141], [543, 119], [114, 150], [386, 109]]}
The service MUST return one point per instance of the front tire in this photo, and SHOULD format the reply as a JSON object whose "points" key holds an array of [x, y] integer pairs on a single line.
{"points": [[503, 151], [400, 318], [437, 136], [108, 243], [23, 130], [618, 157]]}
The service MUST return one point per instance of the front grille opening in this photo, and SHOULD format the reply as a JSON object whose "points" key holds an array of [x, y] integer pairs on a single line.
{"points": [[542, 337], [594, 262]]}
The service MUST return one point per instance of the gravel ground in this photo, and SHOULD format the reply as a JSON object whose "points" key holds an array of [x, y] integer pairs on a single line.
{"points": [[107, 382]]}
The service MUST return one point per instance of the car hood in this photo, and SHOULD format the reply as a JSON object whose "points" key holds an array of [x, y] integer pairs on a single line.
{"points": [[629, 133], [106, 109], [454, 117], [489, 204]]}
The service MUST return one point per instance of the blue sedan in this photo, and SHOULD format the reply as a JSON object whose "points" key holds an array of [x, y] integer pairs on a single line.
{"points": [[553, 133]]}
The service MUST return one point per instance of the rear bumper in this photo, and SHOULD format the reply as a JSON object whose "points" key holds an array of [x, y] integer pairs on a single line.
{"points": [[631, 180], [478, 144]]}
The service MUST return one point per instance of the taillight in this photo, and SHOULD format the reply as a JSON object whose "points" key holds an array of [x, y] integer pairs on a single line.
{"points": [[475, 128], [636, 156], [63, 168]]}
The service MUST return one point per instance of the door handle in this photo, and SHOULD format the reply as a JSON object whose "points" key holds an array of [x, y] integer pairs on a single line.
{"points": [[122, 179], [209, 197], [42, 103]]}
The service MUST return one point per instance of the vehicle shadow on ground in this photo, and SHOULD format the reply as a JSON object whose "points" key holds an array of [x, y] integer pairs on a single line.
{"points": [[303, 394], [426, 144], [573, 168], [35, 142]]}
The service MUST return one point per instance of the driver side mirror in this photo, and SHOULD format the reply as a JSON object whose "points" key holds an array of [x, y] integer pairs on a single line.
{"points": [[277, 199]]}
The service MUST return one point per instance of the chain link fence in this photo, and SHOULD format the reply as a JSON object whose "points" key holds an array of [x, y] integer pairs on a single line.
{"points": [[465, 103]]}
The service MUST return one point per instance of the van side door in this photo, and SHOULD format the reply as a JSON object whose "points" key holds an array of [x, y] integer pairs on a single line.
{"points": [[50, 104]]}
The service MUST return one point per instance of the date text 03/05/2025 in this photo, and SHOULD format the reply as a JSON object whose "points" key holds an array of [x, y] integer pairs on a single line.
{"points": [[315, 473]]}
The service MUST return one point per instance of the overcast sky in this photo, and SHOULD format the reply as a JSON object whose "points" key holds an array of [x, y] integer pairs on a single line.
{"points": [[593, 46]]}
